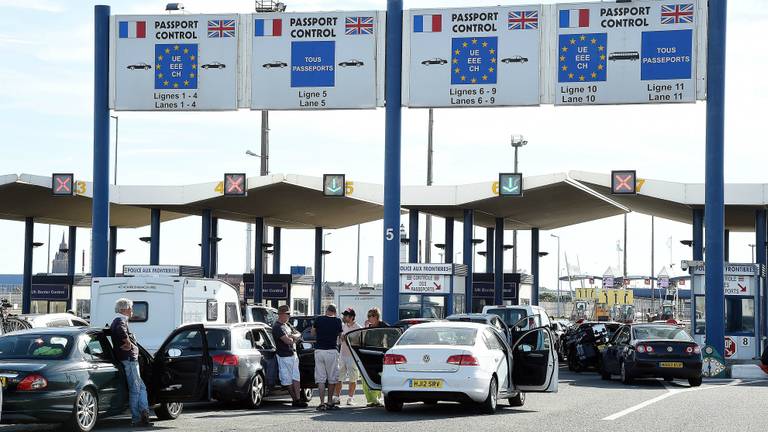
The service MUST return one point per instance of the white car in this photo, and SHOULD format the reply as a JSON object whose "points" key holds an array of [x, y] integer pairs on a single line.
{"points": [[55, 320], [454, 361]]}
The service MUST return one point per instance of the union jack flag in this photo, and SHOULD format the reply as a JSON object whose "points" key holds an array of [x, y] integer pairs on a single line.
{"points": [[523, 20], [677, 14], [358, 26], [221, 28]]}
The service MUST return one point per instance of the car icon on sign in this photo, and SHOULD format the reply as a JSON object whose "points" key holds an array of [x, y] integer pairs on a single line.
{"points": [[353, 62], [139, 66], [275, 64], [515, 59], [434, 61], [214, 65], [624, 55]]}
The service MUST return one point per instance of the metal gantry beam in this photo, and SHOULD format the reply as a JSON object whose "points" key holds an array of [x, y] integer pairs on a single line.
{"points": [[535, 266], [469, 224], [413, 236], [29, 238], [154, 236], [205, 243], [449, 223], [318, 289], [498, 277], [258, 266]]}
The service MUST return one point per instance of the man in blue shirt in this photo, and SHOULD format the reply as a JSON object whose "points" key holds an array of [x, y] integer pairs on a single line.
{"points": [[326, 331]]}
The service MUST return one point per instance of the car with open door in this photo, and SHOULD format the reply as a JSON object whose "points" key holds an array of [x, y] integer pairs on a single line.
{"points": [[70, 375], [465, 362]]}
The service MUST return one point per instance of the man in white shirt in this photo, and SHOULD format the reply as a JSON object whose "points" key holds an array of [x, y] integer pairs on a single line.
{"points": [[347, 369]]}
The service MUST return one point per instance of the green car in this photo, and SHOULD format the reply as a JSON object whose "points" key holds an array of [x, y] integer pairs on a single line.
{"points": [[70, 375]]}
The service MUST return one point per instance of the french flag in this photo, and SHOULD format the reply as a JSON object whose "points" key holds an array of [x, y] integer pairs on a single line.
{"points": [[574, 18], [132, 29], [269, 27], [427, 23]]}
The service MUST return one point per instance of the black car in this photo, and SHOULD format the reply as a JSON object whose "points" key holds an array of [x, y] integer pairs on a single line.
{"points": [[574, 333], [244, 362], [214, 65], [303, 324], [275, 64], [139, 66], [490, 319], [515, 59], [652, 351], [434, 61], [70, 375], [353, 62], [409, 322]]}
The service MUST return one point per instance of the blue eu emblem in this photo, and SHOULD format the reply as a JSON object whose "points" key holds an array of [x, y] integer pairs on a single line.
{"points": [[582, 57], [175, 66], [473, 60]]}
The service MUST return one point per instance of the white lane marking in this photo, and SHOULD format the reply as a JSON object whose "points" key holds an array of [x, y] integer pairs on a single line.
{"points": [[673, 392]]}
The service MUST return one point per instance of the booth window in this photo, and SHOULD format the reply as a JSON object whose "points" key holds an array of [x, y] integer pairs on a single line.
{"points": [[739, 314], [231, 313], [700, 321], [140, 312], [211, 310]]}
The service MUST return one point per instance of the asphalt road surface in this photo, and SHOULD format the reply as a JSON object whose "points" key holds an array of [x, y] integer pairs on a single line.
{"points": [[584, 403]]}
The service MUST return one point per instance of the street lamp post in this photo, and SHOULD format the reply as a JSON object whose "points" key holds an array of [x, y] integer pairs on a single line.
{"points": [[752, 248], [558, 272], [263, 170], [325, 252], [117, 135], [516, 141]]}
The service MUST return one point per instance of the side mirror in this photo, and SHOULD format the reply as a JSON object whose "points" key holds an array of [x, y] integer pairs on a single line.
{"points": [[306, 346], [174, 352]]}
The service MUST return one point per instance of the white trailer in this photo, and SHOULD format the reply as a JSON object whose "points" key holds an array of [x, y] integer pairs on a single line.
{"points": [[360, 300]]}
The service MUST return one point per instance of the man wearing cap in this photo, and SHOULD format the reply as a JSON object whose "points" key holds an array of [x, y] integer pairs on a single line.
{"points": [[326, 330], [287, 361], [347, 368]]}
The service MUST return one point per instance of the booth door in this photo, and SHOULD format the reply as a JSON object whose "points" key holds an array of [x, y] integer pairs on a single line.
{"points": [[422, 306]]}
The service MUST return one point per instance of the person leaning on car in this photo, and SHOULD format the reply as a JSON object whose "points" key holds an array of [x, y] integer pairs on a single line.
{"points": [[127, 352], [287, 360]]}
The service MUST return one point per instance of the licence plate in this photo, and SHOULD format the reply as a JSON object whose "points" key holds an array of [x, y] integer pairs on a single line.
{"points": [[429, 384], [3, 382], [671, 365]]}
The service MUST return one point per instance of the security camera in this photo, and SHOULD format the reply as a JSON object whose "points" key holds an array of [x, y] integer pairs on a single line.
{"points": [[684, 265]]}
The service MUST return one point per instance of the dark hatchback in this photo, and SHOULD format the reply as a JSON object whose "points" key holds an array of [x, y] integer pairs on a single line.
{"points": [[70, 375], [652, 351]]}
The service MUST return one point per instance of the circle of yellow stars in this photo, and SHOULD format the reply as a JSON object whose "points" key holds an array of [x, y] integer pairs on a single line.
{"points": [[564, 50], [455, 61], [184, 51]]}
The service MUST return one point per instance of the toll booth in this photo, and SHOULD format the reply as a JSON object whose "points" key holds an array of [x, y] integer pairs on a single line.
{"points": [[50, 294], [484, 288], [431, 290], [744, 290]]}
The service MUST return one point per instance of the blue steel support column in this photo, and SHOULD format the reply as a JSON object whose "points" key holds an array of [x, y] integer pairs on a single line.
{"points": [[489, 249], [276, 249], [498, 276], [154, 235], [214, 246], [535, 266], [205, 243], [71, 257], [258, 256], [449, 240], [29, 238], [727, 245], [413, 236], [469, 223], [100, 213], [698, 234], [714, 185], [760, 258], [318, 294], [392, 136], [112, 264]]}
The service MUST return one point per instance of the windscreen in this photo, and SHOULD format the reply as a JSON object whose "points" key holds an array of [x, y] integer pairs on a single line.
{"points": [[438, 336], [35, 347], [661, 332], [510, 316]]}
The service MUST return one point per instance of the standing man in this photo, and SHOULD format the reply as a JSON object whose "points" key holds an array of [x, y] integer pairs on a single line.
{"points": [[347, 368], [287, 360], [127, 352], [326, 331], [374, 320]]}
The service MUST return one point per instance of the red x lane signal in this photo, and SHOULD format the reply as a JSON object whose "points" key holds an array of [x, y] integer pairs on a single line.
{"points": [[61, 184], [234, 184], [623, 182]]}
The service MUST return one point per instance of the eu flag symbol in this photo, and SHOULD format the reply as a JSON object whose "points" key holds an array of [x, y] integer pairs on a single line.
{"points": [[175, 66], [582, 57], [473, 60]]}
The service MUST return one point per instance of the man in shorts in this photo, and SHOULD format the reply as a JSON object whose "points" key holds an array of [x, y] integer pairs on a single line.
{"points": [[327, 329], [347, 369], [287, 360]]}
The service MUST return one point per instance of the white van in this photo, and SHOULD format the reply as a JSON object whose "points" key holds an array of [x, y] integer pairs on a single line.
{"points": [[512, 314], [163, 303]]}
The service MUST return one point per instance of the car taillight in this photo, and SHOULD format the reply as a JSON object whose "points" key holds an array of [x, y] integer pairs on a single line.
{"points": [[463, 360], [394, 359], [693, 350], [226, 359], [644, 348], [32, 382]]}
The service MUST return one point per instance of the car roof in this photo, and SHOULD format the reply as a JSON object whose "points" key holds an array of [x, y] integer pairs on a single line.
{"points": [[472, 316], [234, 325], [452, 324], [70, 331]]}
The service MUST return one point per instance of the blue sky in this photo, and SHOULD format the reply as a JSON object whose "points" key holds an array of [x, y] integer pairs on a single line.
{"points": [[46, 122]]}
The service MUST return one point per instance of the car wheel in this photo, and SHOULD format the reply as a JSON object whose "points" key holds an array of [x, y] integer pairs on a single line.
{"points": [[85, 412], [256, 392], [695, 382], [488, 406], [169, 411], [518, 400], [626, 376], [306, 395], [392, 404]]}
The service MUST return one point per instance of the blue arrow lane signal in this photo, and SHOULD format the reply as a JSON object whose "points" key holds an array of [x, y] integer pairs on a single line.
{"points": [[511, 184], [334, 185]]}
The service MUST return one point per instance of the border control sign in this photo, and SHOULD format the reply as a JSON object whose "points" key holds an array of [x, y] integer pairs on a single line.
{"points": [[175, 62]]}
